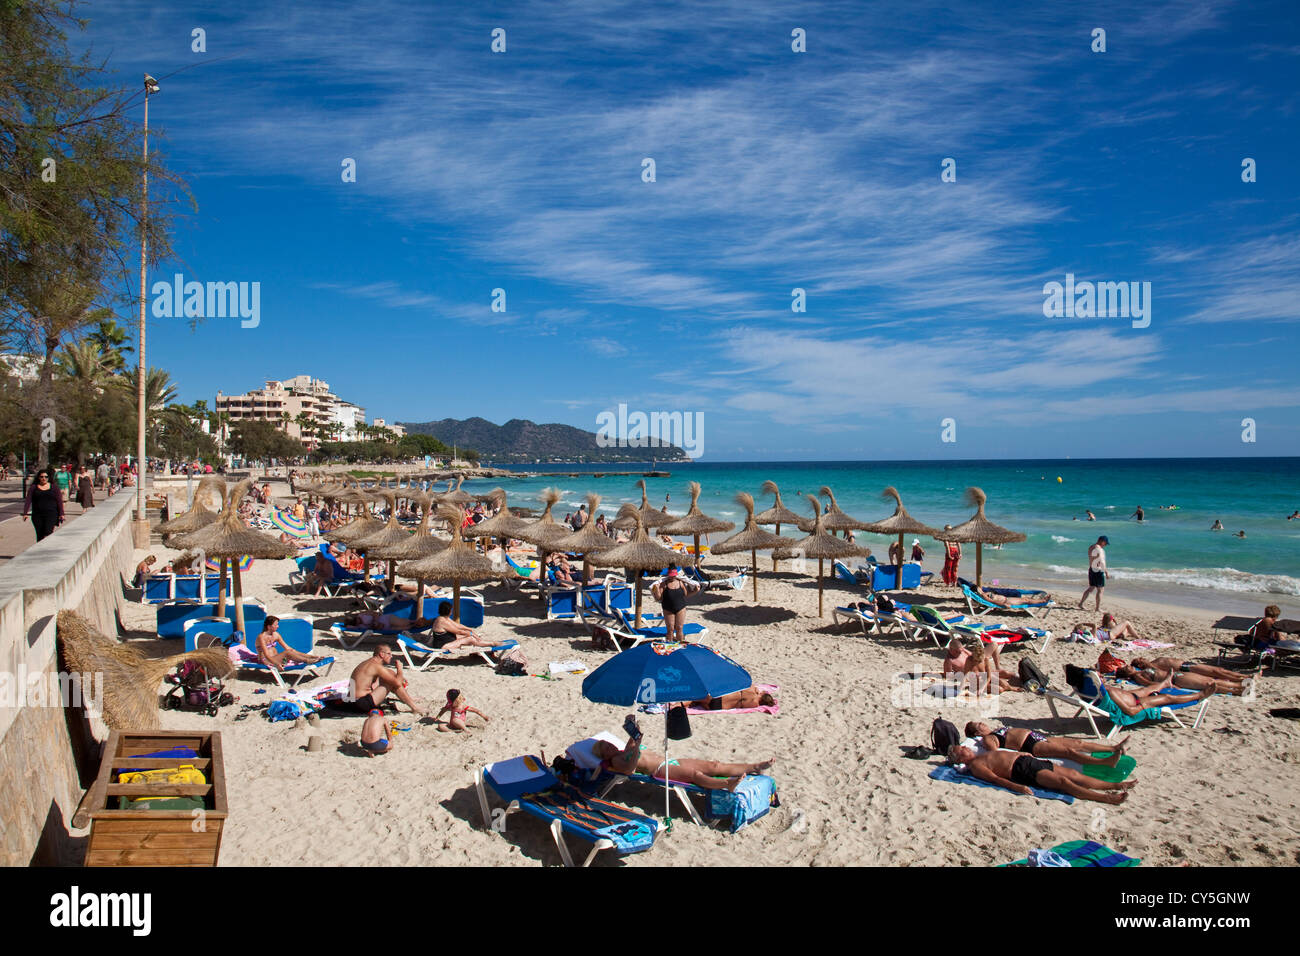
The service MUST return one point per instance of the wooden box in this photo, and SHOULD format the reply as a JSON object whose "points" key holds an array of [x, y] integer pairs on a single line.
{"points": [[155, 837]]}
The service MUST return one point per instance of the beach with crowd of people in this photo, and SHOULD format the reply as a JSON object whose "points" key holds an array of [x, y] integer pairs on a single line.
{"points": [[855, 686]]}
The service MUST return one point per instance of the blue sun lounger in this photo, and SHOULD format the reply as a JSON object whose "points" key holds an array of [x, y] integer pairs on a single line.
{"points": [[1028, 601], [171, 618], [526, 784], [295, 631]]}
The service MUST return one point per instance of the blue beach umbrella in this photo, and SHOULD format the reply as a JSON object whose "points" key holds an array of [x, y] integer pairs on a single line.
{"points": [[664, 673]]}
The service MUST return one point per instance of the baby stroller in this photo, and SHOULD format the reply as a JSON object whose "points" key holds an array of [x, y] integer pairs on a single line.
{"points": [[194, 689]]}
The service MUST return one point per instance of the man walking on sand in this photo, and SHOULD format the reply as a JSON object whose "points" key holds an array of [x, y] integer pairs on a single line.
{"points": [[1096, 570]]}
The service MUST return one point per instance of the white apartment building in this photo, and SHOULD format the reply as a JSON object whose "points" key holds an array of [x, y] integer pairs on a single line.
{"points": [[283, 401]]}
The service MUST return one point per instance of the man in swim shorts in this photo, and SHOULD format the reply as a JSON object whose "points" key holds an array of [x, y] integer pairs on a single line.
{"points": [[1019, 772], [372, 682], [1096, 571], [375, 738]]}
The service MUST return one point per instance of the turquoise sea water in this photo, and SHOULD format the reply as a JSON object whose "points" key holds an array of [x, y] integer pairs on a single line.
{"points": [[1170, 551]]}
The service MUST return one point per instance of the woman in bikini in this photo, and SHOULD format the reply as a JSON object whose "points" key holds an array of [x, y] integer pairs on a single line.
{"points": [[746, 699], [707, 774], [1040, 745]]}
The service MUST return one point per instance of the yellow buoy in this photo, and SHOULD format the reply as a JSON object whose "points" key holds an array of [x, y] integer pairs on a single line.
{"points": [[1058, 479]]}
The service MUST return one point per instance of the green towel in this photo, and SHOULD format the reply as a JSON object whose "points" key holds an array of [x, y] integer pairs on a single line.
{"points": [[1087, 853], [1115, 774]]}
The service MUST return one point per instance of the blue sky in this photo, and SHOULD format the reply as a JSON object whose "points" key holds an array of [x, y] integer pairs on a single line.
{"points": [[775, 170]]}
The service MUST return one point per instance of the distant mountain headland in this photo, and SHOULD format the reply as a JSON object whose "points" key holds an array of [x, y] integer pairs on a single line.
{"points": [[522, 441]]}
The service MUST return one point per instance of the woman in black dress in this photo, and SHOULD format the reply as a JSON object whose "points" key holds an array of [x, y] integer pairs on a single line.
{"points": [[85, 488], [45, 504]]}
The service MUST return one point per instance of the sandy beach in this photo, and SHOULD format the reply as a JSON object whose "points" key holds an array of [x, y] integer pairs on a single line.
{"points": [[1222, 794]]}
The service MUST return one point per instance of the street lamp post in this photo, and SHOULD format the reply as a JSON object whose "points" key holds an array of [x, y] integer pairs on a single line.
{"points": [[140, 529]]}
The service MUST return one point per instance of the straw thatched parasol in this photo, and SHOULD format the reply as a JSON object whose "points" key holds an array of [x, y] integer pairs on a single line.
{"points": [[980, 530], [588, 539], [625, 518], [503, 525], [651, 517], [130, 680], [229, 537], [834, 519], [199, 514], [391, 537], [778, 514], [457, 497], [751, 538], [819, 545], [639, 554], [420, 545], [364, 526], [696, 522], [456, 563], [545, 533], [899, 523]]}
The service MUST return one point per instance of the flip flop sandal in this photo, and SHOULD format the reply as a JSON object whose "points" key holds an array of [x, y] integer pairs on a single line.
{"points": [[1229, 730], [917, 753], [1290, 713]]}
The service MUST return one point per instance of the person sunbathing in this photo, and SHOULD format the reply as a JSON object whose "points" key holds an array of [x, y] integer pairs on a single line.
{"points": [[707, 774], [1041, 745], [746, 699], [270, 639], [1003, 600], [1019, 772], [450, 634], [1265, 632], [1134, 702], [371, 683], [1148, 676], [1174, 665], [379, 621], [321, 575], [958, 654], [144, 569], [1113, 629], [981, 662]]}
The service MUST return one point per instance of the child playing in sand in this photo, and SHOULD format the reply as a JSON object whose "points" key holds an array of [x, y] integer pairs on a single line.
{"points": [[375, 737], [457, 708]]}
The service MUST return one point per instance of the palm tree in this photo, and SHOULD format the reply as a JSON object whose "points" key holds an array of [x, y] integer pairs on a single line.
{"points": [[159, 392], [111, 339], [84, 362]]}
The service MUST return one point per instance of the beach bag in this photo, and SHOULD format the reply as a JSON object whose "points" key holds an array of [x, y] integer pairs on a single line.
{"points": [[677, 723], [512, 663], [943, 735], [1075, 676], [1032, 677]]}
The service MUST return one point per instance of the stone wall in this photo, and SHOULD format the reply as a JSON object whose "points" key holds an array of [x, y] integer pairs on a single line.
{"points": [[47, 757]]}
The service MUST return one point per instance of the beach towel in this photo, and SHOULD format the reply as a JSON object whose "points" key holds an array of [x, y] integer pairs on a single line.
{"points": [[1123, 767], [774, 708], [752, 798], [1141, 644], [1084, 853], [952, 775]]}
